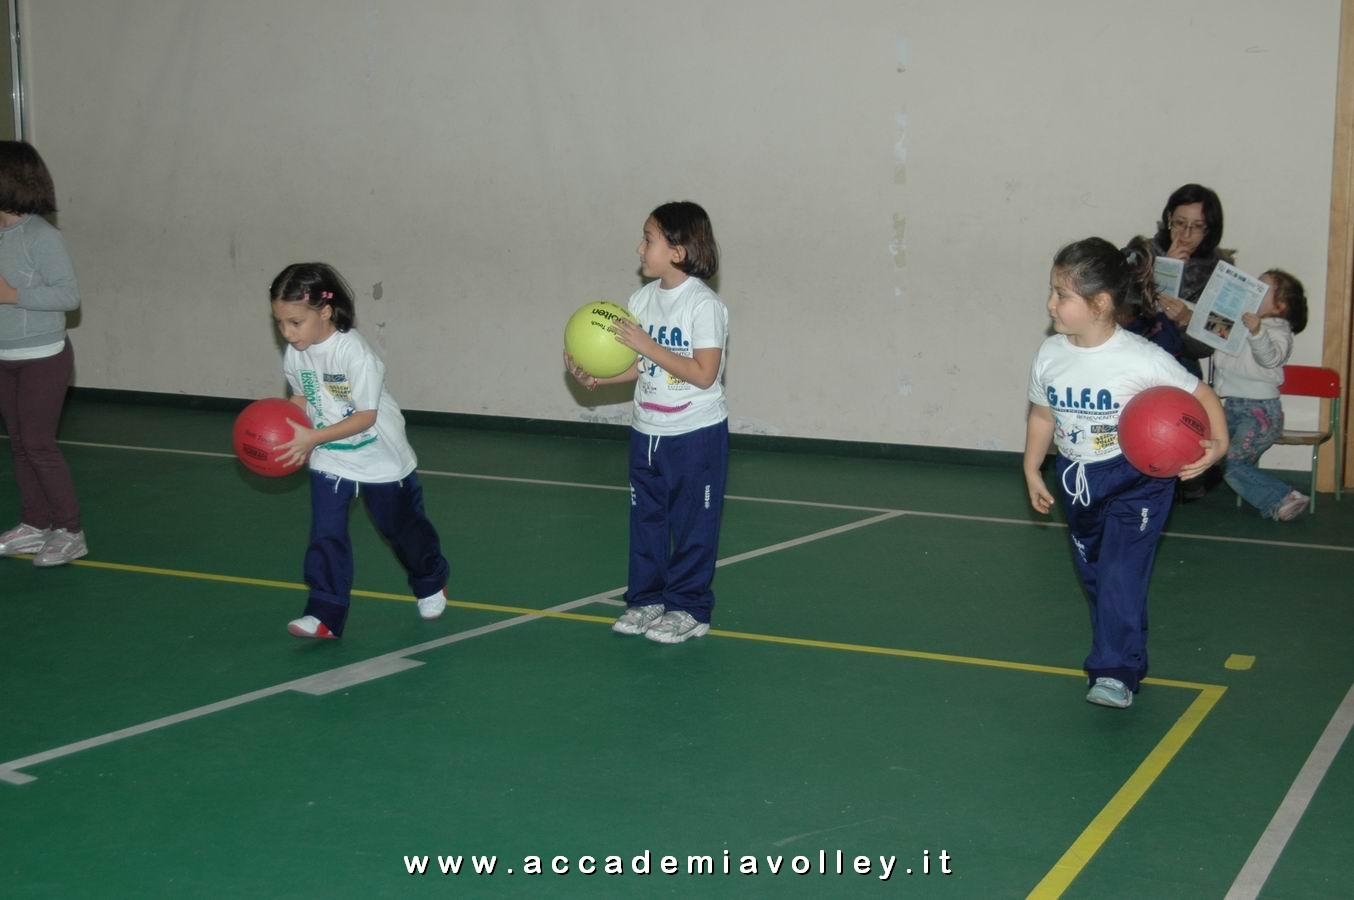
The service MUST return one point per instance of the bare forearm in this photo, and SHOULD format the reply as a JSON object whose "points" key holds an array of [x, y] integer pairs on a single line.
{"points": [[1038, 438], [1217, 417], [700, 370]]}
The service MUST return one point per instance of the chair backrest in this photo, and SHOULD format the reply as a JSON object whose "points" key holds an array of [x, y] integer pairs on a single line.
{"points": [[1310, 381]]}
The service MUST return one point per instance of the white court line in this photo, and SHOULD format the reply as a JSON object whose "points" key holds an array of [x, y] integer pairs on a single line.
{"points": [[995, 520], [783, 545], [373, 668], [319, 683], [1260, 864]]}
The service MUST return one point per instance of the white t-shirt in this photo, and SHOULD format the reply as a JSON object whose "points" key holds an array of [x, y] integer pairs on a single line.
{"points": [[1086, 387], [338, 377], [688, 318]]}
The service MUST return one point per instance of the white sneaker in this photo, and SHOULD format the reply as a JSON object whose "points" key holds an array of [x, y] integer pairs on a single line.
{"points": [[637, 619], [23, 539], [1110, 692], [1294, 505], [431, 607], [309, 627], [676, 626], [62, 546]]}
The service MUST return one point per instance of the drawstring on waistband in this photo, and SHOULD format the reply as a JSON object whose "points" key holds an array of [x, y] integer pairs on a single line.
{"points": [[653, 445], [357, 485], [1082, 490]]}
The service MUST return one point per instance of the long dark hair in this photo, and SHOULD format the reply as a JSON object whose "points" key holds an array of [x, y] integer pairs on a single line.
{"points": [[317, 285], [1183, 196]]}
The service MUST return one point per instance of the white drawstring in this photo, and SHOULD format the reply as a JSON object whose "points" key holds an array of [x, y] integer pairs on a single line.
{"points": [[653, 445], [1083, 488], [357, 485]]}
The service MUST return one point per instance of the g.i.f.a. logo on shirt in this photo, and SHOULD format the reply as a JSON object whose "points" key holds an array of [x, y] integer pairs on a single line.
{"points": [[669, 336], [1084, 399]]}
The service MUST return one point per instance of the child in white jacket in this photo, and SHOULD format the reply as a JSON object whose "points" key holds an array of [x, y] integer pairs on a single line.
{"points": [[1248, 383]]}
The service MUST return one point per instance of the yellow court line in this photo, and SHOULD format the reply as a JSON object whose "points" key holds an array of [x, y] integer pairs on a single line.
{"points": [[297, 586], [1064, 871], [183, 573], [580, 617], [945, 657]]}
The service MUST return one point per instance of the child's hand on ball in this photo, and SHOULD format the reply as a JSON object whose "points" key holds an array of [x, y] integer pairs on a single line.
{"points": [[1214, 450], [580, 376], [295, 451], [632, 336]]}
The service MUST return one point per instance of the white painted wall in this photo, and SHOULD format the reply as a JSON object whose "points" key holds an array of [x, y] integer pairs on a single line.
{"points": [[888, 180]]}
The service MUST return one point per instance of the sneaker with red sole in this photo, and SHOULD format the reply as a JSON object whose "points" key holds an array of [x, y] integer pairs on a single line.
{"points": [[309, 627]]}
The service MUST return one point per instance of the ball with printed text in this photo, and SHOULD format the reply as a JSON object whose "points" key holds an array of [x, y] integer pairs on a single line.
{"points": [[1160, 430], [588, 338], [260, 428]]}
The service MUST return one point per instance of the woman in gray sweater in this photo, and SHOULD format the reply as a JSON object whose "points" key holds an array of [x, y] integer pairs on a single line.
{"points": [[37, 289]]}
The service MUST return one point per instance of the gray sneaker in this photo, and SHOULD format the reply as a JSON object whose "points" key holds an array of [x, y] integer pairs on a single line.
{"points": [[1110, 692], [23, 539], [676, 626], [637, 619], [62, 546]]}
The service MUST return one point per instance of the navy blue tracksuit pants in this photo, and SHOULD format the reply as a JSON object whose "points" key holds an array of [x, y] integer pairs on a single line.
{"points": [[1114, 536], [676, 499], [396, 508]]}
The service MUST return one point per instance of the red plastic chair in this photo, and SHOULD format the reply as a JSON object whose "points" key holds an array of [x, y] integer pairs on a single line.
{"points": [[1315, 381]]}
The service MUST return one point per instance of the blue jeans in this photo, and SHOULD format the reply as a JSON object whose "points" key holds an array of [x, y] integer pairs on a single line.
{"points": [[1254, 426]]}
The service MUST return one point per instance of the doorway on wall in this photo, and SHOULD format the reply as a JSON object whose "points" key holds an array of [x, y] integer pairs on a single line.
{"points": [[1339, 322]]}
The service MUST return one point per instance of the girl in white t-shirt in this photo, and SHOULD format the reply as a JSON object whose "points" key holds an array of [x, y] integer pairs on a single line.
{"points": [[356, 447], [1082, 377], [679, 437]]}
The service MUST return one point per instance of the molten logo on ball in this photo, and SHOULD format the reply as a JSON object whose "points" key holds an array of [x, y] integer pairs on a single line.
{"points": [[1160, 430], [591, 342]]}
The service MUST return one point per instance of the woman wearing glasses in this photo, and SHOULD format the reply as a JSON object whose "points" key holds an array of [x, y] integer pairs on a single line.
{"points": [[1190, 229]]}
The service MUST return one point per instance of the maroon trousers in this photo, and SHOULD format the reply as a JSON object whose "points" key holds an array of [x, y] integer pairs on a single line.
{"points": [[31, 394]]}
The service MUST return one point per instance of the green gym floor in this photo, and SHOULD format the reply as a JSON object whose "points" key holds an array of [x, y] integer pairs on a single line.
{"points": [[893, 674]]}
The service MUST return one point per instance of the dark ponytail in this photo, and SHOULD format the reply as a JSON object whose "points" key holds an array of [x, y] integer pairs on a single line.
{"points": [[1095, 266], [1141, 290]]}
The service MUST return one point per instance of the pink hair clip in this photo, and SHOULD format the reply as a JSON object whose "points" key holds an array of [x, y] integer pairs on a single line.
{"points": [[326, 295]]}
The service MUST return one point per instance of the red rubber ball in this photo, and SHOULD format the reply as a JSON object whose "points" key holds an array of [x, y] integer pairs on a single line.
{"points": [[260, 428], [1160, 430]]}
